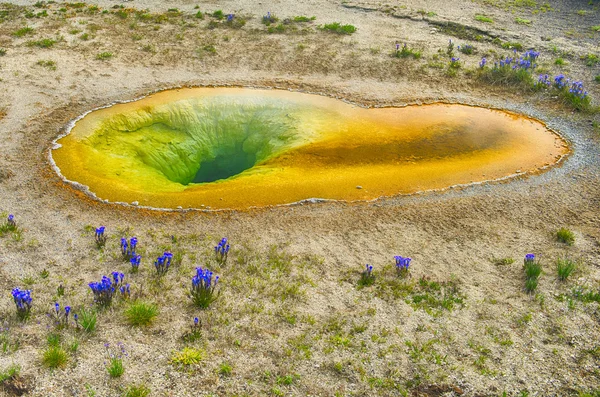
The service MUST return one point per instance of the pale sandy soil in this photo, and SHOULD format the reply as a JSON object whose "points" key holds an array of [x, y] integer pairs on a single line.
{"points": [[291, 320]]}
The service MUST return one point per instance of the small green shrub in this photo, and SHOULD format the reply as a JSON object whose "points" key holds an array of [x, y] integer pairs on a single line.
{"points": [[406, 52], [597, 79], [591, 60], [51, 65], [11, 372], [2, 52], [533, 270], [187, 356], [137, 391], [512, 45], [115, 367], [218, 14], [522, 21], [199, 15], [103, 56], [225, 369], [338, 28], [566, 236], [23, 31], [43, 43], [87, 318], [564, 268], [141, 313], [596, 28], [483, 18], [367, 278], [54, 357], [302, 18]]}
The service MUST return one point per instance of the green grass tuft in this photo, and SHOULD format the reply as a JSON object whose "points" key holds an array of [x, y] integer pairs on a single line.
{"points": [[141, 313], [43, 43], [103, 56], [566, 236], [54, 357], [88, 319], [483, 18], [23, 31], [137, 391], [11, 372], [115, 367], [338, 28], [564, 268]]}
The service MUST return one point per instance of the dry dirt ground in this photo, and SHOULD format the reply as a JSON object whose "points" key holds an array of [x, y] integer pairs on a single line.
{"points": [[291, 319]]}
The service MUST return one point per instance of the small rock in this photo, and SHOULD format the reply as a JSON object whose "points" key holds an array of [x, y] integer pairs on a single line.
{"points": [[179, 207], [135, 203], [359, 187]]}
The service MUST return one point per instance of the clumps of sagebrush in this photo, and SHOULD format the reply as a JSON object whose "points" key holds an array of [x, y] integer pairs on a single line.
{"points": [[204, 290], [367, 277], [566, 236], [128, 248], [114, 365], [107, 288], [100, 237], [163, 262], [564, 268], [402, 265], [23, 302], [222, 251], [533, 270], [406, 52]]}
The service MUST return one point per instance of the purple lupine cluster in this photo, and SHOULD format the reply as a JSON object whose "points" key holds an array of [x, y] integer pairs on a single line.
{"points": [[561, 82], [525, 62], [100, 237], [11, 221], [269, 18], [23, 301], [221, 250], [135, 262], [105, 290], [230, 17], [128, 248], [402, 264], [368, 271], [163, 262], [203, 288]]}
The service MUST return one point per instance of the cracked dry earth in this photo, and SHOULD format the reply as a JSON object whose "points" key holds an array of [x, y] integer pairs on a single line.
{"points": [[291, 319]]}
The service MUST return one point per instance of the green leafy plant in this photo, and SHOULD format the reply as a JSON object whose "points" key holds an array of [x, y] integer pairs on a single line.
{"points": [[43, 43], [23, 31], [225, 369]]}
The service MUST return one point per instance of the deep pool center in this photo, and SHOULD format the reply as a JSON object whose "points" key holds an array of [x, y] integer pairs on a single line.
{"points": [[239, 148]]}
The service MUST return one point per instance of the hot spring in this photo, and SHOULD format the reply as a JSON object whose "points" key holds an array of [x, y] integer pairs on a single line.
{"points": [[238, 148]]}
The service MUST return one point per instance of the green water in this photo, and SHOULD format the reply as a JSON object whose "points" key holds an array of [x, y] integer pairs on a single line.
{"points": [[201, 141]]}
